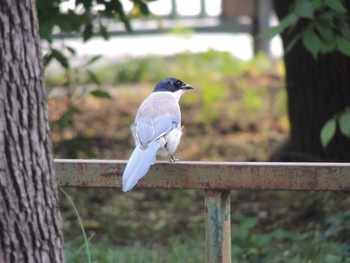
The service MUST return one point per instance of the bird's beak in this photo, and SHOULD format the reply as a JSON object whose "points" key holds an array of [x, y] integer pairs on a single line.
{"points": [[186, 86]]}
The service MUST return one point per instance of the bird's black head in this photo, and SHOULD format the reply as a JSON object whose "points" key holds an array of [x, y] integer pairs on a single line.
{"points": [[172, 85]]}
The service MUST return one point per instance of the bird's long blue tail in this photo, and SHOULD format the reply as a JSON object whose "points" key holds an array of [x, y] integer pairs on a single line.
{"points": [[138, 165]]}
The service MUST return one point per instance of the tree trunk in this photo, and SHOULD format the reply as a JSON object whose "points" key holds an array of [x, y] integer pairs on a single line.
{"points": [[317, 90], [30, 224]]}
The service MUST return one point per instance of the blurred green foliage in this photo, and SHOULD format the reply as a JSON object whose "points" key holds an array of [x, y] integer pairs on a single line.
{"points": [[83, 19], [341, 120], [213, 74], [327, 26], [150, 69]]}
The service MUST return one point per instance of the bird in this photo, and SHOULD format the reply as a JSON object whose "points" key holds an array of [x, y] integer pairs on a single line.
{"points": [[156, 130]]}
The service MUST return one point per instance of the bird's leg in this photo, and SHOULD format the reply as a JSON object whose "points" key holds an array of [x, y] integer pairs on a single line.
{"points": [[173, 159]]}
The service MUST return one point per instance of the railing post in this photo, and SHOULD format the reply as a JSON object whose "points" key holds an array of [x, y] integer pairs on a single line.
{"points": [[218, 226]]}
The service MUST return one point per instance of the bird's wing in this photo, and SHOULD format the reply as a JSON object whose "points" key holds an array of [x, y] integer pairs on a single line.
{"points": [[150, 129]]}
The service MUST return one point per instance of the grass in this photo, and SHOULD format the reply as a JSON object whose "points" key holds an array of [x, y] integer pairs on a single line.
{"points": [[71, 257], [247, 246], [191, 250]]}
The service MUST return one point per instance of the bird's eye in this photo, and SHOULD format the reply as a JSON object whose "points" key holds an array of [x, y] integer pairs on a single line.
{"points": [[177, 84]]}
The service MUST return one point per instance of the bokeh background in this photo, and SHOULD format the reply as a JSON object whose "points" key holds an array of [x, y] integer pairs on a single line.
{"points": [[96, 80]]}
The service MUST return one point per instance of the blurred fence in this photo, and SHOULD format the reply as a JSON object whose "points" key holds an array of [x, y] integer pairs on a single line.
{"points": [[216, 179], [258, 13]]}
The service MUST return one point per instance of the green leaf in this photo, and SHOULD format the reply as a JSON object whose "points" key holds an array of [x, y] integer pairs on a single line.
{"points": [[86, 3], [47, 59], [343, 45], [328, 46], [288, 21], [116, 7], [104, 32], [67, 117], [93, 77], [46, 30], [140, 8], [325, 29], [126, 23], [345, 32], [101, 94], [72, 21], [71, 50], [270, 32], [317, 4], [144, 8], [62, 59], [88, 32], [93, 60], [328, 132], [336, 5], [312, 42], [344, 123], [305, 9]]}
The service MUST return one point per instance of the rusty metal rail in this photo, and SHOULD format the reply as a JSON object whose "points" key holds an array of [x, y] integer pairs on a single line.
{"points": [[216, 179]]}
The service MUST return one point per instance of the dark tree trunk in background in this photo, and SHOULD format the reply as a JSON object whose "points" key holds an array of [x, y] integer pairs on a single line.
{"points": [[30, 224], [317, 89]]}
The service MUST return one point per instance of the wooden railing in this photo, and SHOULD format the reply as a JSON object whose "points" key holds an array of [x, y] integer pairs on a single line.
{"points": [[216, 179]]}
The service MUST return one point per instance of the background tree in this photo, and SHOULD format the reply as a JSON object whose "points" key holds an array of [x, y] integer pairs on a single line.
{"points": [[30, 224], [316, 39]]}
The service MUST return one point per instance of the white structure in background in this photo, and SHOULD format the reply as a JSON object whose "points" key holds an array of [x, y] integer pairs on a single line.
{"points": [[122, 47]]}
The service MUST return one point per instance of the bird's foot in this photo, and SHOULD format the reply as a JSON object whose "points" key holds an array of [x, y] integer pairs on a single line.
{"points": [[173, 159]]}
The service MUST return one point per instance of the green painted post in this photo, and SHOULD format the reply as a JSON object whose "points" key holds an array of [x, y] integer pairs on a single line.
{"points": [[218, 226]]}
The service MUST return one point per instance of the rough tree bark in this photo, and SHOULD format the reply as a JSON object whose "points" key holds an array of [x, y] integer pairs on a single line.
{"points": [[30, 224], [317, 89]]}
